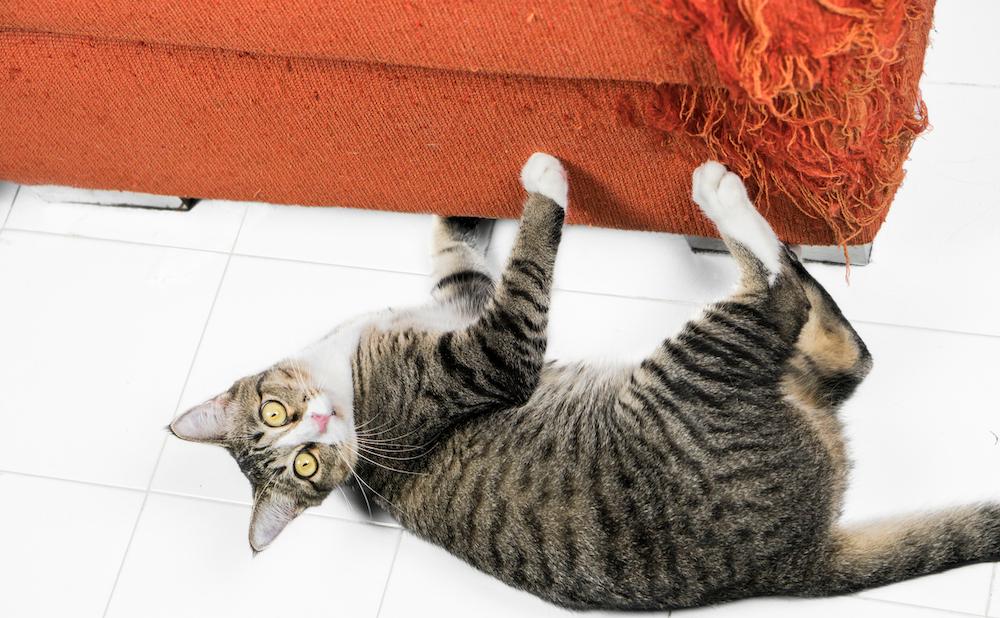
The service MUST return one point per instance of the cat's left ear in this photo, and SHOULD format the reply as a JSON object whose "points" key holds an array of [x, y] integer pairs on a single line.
{"points": [[271, 513], [203, 423]]}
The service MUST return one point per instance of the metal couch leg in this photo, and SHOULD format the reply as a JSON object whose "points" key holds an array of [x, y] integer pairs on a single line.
{"points": [[859, 255]]}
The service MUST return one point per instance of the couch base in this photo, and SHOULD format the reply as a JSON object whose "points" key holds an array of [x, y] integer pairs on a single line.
{"points": [[218, 124]]}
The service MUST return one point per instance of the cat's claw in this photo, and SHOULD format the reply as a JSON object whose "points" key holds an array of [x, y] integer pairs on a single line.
{"points": [[723, 198], [545, 175]]}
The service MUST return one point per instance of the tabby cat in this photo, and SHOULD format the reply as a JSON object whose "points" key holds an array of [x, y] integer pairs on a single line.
{"points": [[712, 470]]}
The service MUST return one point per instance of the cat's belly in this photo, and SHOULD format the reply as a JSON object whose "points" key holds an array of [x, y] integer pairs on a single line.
{"points": [[582, 507]]}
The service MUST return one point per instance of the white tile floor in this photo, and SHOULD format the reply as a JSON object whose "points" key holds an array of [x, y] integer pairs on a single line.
{"points": [[112, 320]]}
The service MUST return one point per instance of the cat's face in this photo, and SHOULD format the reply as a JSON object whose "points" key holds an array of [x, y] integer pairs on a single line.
{"points": [[289, 437]]}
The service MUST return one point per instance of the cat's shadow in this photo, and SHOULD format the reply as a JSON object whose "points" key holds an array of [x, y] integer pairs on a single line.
{"points": [[361, 501]]}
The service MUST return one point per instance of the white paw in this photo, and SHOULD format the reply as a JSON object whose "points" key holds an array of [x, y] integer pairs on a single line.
{"points": [[723, 198], [544, 174]]}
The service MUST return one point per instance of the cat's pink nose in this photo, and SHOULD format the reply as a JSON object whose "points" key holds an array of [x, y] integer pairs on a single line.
{"points": [[321, 420]]}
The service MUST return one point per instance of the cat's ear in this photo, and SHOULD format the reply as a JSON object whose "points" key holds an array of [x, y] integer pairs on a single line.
{"points": [[271, 513], [203, 423]]}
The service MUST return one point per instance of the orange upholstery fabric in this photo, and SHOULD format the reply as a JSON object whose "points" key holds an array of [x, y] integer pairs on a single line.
{"points": [[392, 104], [609, 39]]}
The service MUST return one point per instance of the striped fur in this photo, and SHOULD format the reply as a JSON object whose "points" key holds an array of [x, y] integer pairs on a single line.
{"points": [[712, 470]]}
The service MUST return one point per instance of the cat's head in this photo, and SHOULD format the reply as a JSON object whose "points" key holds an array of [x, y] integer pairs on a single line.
{"points": [[294, 441]]}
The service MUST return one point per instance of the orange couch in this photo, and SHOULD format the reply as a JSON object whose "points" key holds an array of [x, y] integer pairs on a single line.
{"points": [[409, 105]]}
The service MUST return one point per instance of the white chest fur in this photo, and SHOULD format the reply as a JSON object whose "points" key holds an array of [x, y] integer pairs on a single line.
{"points": [[329, 359]]}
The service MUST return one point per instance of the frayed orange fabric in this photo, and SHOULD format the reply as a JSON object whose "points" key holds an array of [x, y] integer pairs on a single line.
{"points": [[821, 101]]}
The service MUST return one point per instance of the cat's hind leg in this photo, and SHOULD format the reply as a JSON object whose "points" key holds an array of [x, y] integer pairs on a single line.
{"points": [[461, 277], [738, 349], [832, 360], [768, 282], [722, 197]]}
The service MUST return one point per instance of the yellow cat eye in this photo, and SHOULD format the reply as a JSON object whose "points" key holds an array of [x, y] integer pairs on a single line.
{"points": [[273, 413], [305, 465]]}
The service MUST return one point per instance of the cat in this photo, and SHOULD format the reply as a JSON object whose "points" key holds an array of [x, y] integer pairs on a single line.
{"points": [[712, 470]]}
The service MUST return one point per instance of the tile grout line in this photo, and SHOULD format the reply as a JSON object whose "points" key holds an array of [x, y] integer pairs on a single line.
{"points": [[76, 481], [123, 241], [217, 252], [388, 576], [6, 218], [706, 304], [231, 502], [409, 273], [937, 82], [952, 612], [930, 329], [989, 593], [184, 496], [180, 396], [674, 301]]}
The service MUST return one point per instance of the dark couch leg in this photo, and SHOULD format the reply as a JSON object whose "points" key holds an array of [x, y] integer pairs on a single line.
{"points": [[72, 195]]}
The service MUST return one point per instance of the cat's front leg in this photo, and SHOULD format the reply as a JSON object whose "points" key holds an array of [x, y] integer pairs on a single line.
{"points": [[498, 359], [462, 279]]}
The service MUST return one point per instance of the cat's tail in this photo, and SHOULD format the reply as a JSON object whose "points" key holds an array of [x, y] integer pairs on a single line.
{"points": [[881, 553]]}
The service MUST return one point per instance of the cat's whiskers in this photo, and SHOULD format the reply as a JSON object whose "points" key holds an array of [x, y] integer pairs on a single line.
{"points": [[356, 475], [346, 499], [388, 501], [382, 451], [392, 444], [374, 453], [392, 438], [358, 428], [361, 455]]}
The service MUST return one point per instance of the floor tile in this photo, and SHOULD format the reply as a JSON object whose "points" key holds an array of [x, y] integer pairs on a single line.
{"points": [[994, 605], [922, 429], [210, 225], [964, 46], [428, 581], [7, 192], [922, 432], [96, 350], [343, 236], [266, 310], [837, 607], [63, 545], [960, 590], [191, 558], [629, 263], [610, 329]]}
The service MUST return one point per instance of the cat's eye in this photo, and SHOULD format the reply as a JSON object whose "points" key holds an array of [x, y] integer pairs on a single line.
{"points": [[305, 465], [273, 413]]}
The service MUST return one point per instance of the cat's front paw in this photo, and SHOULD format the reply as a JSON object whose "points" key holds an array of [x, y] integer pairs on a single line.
{"points": [[545, 175]]}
